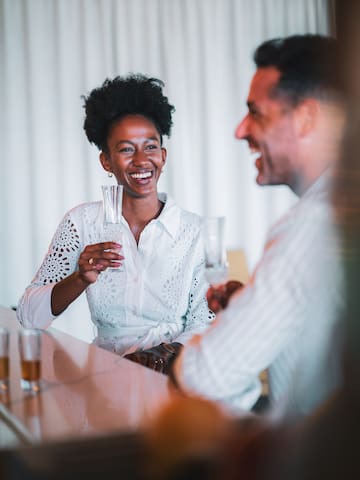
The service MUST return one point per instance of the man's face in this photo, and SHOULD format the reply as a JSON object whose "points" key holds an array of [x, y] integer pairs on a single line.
{"points": [[269, 130]]}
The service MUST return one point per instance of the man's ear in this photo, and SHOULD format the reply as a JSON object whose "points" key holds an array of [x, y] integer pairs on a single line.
{"points": [[104, 160], [306, 114]]}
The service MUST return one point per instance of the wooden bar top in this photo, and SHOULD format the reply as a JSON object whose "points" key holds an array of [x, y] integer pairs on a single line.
{"points": [[85, 390]]}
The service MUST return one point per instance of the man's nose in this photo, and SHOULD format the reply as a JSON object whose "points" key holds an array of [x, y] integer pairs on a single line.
{"points": [[242, 130]]}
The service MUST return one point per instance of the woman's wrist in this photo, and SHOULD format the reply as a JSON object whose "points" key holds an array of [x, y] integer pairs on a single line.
{"points": [[80, 281]]}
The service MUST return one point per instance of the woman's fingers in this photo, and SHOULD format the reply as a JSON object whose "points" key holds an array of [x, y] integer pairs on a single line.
{"points": [[98, 257]]}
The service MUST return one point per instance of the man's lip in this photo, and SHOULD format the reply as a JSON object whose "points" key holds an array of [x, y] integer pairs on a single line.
{"points": [[258, 163], [253, 147]]}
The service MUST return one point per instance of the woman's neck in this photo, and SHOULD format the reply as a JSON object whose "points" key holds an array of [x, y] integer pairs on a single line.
{"points": [[138, 212]]}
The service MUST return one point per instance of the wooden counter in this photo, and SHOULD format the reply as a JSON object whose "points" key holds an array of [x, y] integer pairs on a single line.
{"points": [[85, 391]]}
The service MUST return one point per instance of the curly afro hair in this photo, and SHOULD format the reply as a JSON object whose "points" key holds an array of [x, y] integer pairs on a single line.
{"points": [[133, 94]]}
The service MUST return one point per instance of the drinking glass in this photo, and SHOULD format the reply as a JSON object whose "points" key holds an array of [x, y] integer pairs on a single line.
{"points": [[112, 203], [216, 265], [30, 358], [4, 358]]}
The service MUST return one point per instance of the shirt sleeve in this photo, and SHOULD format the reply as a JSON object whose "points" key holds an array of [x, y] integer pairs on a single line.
{"points": [[199, 316], [34, 308]]}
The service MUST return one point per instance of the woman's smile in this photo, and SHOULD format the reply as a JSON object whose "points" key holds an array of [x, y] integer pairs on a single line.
{"points": [[142, 177]]}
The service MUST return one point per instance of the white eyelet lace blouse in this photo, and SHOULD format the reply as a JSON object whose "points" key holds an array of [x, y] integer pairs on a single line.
{"points": [[160, 295]]}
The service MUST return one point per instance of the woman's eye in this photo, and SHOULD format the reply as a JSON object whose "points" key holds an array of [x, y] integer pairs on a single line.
{"points": [[151, 147], [126, 150]]}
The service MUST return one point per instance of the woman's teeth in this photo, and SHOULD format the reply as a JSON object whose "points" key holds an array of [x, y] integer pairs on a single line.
{"points": [[141, 175]]}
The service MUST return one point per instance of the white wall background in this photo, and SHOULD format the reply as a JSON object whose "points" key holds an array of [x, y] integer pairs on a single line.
{"points": [[54, 51]]}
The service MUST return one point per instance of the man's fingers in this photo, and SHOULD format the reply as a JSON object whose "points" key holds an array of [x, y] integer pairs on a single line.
{"points": [[214, 305], [218, 297], [232, 286]]}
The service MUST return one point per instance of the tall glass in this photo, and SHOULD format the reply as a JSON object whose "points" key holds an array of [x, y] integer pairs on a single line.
{"points": [[112, 205], [216, 265]]}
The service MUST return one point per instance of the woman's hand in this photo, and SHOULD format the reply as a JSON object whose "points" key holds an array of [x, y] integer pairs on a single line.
{"points": [[98, 257], [218, 297], [157, 358], [93, 260]]}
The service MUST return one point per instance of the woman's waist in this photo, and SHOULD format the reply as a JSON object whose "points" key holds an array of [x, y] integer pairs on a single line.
{"points": [[121, 330], [139, 330]]}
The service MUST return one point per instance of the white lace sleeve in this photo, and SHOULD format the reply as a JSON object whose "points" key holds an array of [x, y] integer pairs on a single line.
{"points": [[34, 309], [198, 315]]}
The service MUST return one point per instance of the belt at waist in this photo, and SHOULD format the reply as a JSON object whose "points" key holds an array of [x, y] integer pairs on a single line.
{"points": [[109, 331], [140, 330]]}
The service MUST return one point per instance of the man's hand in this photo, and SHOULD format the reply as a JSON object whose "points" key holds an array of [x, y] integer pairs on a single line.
{"points": [[218, 297], [157, 358]]}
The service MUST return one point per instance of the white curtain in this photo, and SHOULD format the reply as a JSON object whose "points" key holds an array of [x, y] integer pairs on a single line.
{"points": [[54, 51]]}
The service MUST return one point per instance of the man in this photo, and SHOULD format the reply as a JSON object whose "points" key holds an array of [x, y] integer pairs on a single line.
{"points": [[283, 319]]}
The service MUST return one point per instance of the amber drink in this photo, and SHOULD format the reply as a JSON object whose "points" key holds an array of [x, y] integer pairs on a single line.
{"points": [[30, 370], [4, 357], [30, 357], [4, 368]]}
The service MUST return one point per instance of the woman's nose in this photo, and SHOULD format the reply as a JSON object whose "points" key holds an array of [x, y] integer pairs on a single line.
{"points": [[241, 131], [139, 158]]}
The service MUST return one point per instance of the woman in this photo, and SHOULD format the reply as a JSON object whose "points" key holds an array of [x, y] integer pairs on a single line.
{"points": [[160, 296]]}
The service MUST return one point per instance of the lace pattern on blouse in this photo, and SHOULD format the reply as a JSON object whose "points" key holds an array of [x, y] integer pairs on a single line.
{"points": [[63, 254], [163, 290]]}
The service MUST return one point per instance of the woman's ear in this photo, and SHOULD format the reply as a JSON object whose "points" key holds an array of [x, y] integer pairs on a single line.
{"points": [[104, 160], [164, 155]]}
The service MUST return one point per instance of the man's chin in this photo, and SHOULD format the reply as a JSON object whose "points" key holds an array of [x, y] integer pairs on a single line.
{"points": [[261, 180]]}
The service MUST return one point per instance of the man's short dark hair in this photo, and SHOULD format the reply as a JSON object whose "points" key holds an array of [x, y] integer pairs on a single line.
{"points": [[309, 64]]}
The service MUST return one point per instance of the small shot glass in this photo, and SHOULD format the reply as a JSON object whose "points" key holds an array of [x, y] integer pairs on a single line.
{"points": [[30, 358], [4, 358]]}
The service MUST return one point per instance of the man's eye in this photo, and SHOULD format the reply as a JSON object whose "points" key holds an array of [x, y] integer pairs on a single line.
{"points": [[254, 113], [151, 147]]}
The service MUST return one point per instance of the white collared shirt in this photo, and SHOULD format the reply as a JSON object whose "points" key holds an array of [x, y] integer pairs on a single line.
{"points": [[282, 320], [160, 295]]}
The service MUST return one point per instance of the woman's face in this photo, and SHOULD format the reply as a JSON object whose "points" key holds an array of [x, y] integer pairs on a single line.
{"points": [[135, 155]]}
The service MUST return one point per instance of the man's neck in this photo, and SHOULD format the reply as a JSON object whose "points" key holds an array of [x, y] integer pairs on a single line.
{"points": [[302, 183], [320, 150]]}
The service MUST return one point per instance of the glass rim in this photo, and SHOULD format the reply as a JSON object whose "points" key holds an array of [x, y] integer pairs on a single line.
{"points": [[30, 331], [112, 186]]}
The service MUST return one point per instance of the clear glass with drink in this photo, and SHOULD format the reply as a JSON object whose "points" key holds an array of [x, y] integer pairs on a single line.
{"points": [[112, 206], [4, 358], [216, 265], [30, 358]]}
